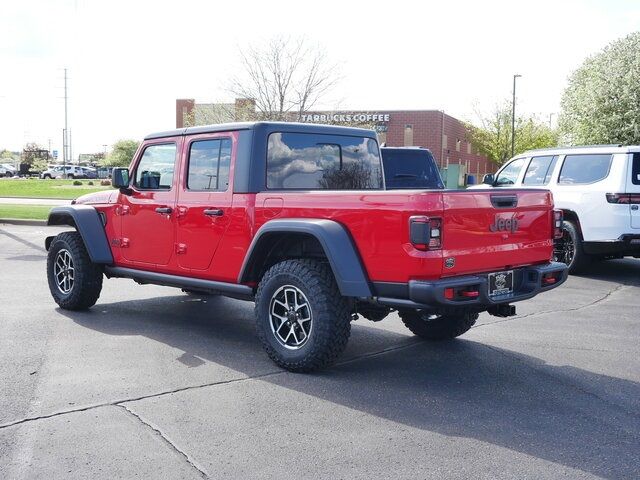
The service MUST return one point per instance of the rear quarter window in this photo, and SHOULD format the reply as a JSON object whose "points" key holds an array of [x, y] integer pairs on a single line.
{"points": [[583, 169], [635, 169], [303, 161]]}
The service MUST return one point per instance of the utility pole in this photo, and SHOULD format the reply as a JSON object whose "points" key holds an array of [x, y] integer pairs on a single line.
{"points": [[513, 116], [65, 144]]}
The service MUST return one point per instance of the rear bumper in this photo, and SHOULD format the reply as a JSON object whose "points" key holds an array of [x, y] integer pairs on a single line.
{"points": [[431, 294], [627, 244]]}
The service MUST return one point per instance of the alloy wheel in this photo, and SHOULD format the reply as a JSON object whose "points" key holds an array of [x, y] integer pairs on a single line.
{"points": [[64, 271], [290, 317]]}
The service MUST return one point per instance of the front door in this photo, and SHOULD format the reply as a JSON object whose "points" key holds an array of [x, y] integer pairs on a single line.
{"points": [[148, 213], [204, 201]]}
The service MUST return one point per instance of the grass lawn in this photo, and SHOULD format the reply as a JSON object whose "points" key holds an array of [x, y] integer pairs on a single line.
{"points": [[30, 212], [36, 188]]}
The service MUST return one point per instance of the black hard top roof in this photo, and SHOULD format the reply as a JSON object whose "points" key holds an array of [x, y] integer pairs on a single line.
{"points": [[269, 127]]}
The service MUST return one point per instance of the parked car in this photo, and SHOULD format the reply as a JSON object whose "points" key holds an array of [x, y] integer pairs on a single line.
{"points": [[7, 170], [410, 168], [598, 190], [295, 217], [89, 172], [59, 171]]}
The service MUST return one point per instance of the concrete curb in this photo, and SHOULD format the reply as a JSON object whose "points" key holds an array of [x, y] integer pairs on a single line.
{"points": [[22, 221]]}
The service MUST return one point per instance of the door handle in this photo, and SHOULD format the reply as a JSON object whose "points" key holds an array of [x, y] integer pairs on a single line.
{"points": [[213, 212], [164, 210]]}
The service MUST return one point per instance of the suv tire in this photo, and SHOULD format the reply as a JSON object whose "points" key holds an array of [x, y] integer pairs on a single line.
{"points": [[437, 327], [46, 177], [75, 281], [569, 249], [302, 320]]}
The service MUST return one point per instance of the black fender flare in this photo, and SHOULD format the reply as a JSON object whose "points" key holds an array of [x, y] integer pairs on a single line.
{"points": [[86, 220], [336, 242]]}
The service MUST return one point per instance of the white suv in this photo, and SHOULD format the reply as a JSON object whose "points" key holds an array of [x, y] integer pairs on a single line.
{"points": [[59, 170], [7, 170], [598, 189]]}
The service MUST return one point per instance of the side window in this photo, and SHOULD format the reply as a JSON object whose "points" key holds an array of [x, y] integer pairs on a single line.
{"points": [[539, 170], [635, 169], [322, 162], [209, 162], [581, 169], [509, 174], [155, 168]]}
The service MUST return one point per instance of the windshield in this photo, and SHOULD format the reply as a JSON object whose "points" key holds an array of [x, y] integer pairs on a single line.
{"points": [[410, 168]]}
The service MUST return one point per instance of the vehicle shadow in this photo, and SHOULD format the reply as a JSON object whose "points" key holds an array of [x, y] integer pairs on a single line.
{"points": [[624, 270], [461, 388]]}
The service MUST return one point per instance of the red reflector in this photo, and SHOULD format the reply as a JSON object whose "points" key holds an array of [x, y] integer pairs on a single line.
{"points": [[470, 294], [548, 280], [448, 293]]}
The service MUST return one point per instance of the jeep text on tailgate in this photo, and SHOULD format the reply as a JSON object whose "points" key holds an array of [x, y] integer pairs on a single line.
{"points": [[296, 218]]}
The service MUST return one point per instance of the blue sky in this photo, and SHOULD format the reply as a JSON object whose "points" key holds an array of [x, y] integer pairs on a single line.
{"points": [[129, 60]]}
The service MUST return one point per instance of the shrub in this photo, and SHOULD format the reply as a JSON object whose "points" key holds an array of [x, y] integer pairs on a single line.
{"points": [[105, 183], [89, 183], [77, 182]]}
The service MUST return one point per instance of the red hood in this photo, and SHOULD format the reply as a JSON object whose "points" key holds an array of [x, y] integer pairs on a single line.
{"points": [[108, 196]]}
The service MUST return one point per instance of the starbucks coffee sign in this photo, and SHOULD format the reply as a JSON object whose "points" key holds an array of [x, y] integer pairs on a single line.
{"points": [[345, 117]]}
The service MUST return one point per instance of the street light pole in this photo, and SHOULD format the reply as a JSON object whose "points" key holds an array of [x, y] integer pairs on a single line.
{"points": [[513, 116]]}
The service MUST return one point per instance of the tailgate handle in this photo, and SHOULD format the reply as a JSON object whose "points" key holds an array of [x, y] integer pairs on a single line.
{"points": [[504, 201]]}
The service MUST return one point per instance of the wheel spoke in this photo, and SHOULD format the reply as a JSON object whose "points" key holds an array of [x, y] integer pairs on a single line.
{"points": [[290, 317]]}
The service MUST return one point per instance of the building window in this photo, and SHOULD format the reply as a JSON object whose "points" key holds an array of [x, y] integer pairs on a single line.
{"points": [[408, 135], [444, 142], [458, 142], [468, 148]]}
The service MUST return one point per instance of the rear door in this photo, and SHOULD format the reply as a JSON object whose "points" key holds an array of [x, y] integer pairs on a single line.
{"points": [[204, 199], [495, 230], [633, 187]]}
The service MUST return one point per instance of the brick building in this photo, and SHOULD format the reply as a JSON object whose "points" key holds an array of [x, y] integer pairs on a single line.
{"points": [[444, 135]]}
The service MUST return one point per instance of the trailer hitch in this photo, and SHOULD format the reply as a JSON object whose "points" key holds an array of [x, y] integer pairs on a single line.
{"points": [[502, 310]]}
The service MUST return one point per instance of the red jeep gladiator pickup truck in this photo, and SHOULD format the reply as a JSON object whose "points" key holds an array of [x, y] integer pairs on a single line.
{"points": [[296, 217]]}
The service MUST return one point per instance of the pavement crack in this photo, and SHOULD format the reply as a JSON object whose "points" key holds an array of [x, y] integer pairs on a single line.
{"points": [[163, 393], [559, 310], [166, 440], [563, 381]]}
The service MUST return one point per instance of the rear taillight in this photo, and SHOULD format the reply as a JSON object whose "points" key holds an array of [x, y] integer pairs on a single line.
{"points": [[425, 232], [557, 223], [624, 198]]}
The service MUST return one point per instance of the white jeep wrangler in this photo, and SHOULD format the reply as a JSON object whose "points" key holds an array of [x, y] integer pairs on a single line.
{"points": [[597, 187]]}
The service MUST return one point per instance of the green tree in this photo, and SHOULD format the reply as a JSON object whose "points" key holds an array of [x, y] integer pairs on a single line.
{"points": [[39, 165], [33, 152], [601, 103], [493, 134], [121, 153]]}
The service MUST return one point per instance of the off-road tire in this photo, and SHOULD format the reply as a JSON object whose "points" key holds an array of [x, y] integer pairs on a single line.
{"points": [[581, 260], [87, 281], [330, 315], [443, 327]]}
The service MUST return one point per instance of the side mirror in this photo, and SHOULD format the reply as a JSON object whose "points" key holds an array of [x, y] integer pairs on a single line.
{"points": [[120, 179], [489, 179]]}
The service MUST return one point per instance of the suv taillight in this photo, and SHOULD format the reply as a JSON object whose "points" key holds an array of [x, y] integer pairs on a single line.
{"points": [[558, 216], [425, 233], [625, 198]]}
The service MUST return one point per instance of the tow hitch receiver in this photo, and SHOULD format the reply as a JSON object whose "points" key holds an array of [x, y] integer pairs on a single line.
{"points": [[502, 310]]}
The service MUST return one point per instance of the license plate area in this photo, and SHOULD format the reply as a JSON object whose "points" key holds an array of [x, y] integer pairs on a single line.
{"points": [[500, 283]]}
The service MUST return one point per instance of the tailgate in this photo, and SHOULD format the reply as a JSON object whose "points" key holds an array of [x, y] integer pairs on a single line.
{"points": [[489, 230]]}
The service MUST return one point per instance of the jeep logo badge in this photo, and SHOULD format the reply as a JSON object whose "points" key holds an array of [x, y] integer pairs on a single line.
{"points": [[502, 225]]}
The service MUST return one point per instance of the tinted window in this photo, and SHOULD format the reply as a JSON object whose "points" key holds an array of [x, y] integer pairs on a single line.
{"points": [[539, 170], [410, 168], [209, 162], [578, 169], [328, 162], [509, 174], [635, 169], [155, 169]]}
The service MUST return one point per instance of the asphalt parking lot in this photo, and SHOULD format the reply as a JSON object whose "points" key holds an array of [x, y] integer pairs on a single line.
{"points": [[152, 383]]}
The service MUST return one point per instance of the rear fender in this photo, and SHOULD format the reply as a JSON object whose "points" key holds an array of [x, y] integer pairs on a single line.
{"points": [[86, 220], [333, 238]]}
